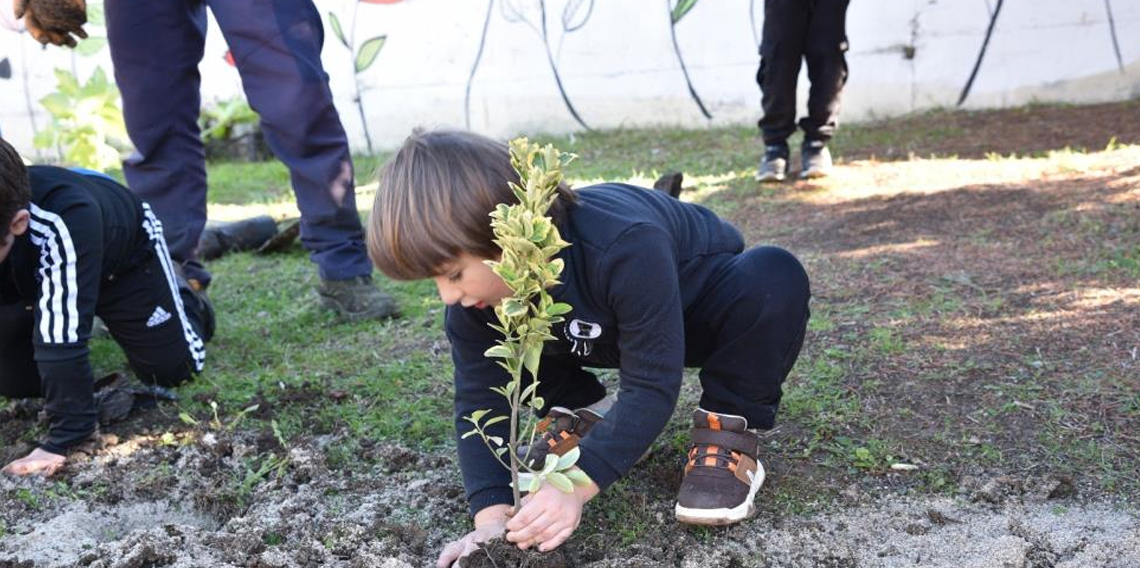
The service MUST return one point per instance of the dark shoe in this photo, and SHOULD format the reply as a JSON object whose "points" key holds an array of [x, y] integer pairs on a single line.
{"points": [[722, 475], [356, 299], [774, 164], [115, 397], [815, 159], [670, 183], [219, 239], [561, 430]]}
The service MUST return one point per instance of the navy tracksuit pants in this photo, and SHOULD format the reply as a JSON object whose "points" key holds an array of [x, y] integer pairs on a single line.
{"points": [[794, 31], [745, 335], [276, 44]]}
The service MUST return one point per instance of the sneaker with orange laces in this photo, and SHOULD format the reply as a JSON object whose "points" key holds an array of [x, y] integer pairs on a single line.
{"points": [[561, 431], [722, 475]]}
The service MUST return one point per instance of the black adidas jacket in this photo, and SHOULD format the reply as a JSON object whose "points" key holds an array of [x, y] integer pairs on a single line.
{"points": [[83, 229], [638, 260]]}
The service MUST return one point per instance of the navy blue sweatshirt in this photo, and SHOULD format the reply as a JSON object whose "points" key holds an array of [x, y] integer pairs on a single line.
{"points": [[638, 260], [83, 229]]}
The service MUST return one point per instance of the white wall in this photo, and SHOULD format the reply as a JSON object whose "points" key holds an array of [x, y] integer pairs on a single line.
{"points": [[619, 68]]}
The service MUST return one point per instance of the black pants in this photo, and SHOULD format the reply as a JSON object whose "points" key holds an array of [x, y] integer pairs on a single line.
{"points": [[158, 324], [795, 30], [744, 334]]}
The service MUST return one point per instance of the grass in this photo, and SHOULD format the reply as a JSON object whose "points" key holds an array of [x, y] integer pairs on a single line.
{"points": [[892, 369]]}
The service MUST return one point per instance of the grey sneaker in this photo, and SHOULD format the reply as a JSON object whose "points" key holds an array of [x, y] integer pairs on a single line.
{"points": [[774, 164], [356, 299], [722, 475], [815, 159]]}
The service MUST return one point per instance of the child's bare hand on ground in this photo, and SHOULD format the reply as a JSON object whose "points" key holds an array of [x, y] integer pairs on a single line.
{"points": [[39, 461], [490, 523], [548, 517]]}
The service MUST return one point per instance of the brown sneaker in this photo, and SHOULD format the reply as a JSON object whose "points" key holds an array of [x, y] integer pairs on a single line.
{"points": [[722, 475], [356, 299], [561, 430]]}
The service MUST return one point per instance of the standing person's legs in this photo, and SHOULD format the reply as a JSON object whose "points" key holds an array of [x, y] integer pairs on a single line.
{"points": [[160, 323], [827, 67], [277, 49], [156, 47], [19, 376], [277, 46], [781, 53]]}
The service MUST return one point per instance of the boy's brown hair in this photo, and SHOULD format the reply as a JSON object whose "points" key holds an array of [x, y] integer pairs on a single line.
{"points": [[15, 187], [434, 200]]}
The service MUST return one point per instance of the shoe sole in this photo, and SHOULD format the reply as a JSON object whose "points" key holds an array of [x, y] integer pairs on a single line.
{"points": [[723, 516], [813, 174], [770, 178]]}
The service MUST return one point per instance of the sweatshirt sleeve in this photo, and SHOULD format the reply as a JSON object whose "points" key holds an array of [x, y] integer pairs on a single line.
{"points": [[70, 241], [641, 284], [486, 481]]}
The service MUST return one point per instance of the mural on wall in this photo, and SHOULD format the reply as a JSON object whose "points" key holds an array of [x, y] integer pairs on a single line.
{"points": [[608, 73], [676, 13], [996, 11], [575, 14], [362, 58], [475, 65]]}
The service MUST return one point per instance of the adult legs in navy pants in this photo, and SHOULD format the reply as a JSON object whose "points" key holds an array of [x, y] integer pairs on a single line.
{"points": [[276, 44]]}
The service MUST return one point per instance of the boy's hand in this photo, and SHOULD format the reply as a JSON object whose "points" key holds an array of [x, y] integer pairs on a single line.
{"points": [[548, 517], [490, 523], [39, 461]]}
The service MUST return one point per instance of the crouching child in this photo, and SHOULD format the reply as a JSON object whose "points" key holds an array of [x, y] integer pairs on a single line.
{"points": [[75, 245], [656, 285]]}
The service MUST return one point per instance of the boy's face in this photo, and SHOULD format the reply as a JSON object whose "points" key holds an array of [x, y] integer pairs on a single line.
{"points": [[14, 229], [470, 283]]}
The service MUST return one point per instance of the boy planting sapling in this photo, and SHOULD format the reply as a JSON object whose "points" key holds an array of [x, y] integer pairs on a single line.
{"points": [[656, 285]]}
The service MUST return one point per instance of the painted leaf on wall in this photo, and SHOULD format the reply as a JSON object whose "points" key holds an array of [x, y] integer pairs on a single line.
{"points": [[576, 13], [90, 46], [682, 8], [338, 31], [95, 14], [5, 69], [368, 52]]}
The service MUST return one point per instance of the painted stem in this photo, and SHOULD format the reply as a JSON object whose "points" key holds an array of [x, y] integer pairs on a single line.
{"points": [[1112, 32], [356, 76], [981, 54], [681, 60], [554, 68], [474, 66]]}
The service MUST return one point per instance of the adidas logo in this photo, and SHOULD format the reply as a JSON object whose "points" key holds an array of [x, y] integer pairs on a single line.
{"points": [[159, 317]]}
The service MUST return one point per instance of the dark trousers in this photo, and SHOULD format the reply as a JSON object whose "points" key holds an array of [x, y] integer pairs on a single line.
{"points": [[158, 325], [744, 334], [276, 44], [797, 30]]}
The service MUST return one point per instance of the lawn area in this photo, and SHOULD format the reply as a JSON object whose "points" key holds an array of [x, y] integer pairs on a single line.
{"points": [[974, 339]]}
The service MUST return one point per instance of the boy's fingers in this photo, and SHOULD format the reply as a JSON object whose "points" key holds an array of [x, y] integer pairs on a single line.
{"points": [[557, 540], [450, 554], [532, 530]]}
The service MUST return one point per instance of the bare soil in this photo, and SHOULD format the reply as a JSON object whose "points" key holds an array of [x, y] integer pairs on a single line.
{"points": [[985, 319]]}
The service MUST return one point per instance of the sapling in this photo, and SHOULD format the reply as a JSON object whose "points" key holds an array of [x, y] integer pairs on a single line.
{"points": [[529, 241]]}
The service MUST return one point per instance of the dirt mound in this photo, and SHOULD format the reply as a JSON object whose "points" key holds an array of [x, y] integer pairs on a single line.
{"points": [[399, 513]]}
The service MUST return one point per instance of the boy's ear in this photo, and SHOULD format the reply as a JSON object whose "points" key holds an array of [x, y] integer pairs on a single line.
{"points": [[20, 222]]}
